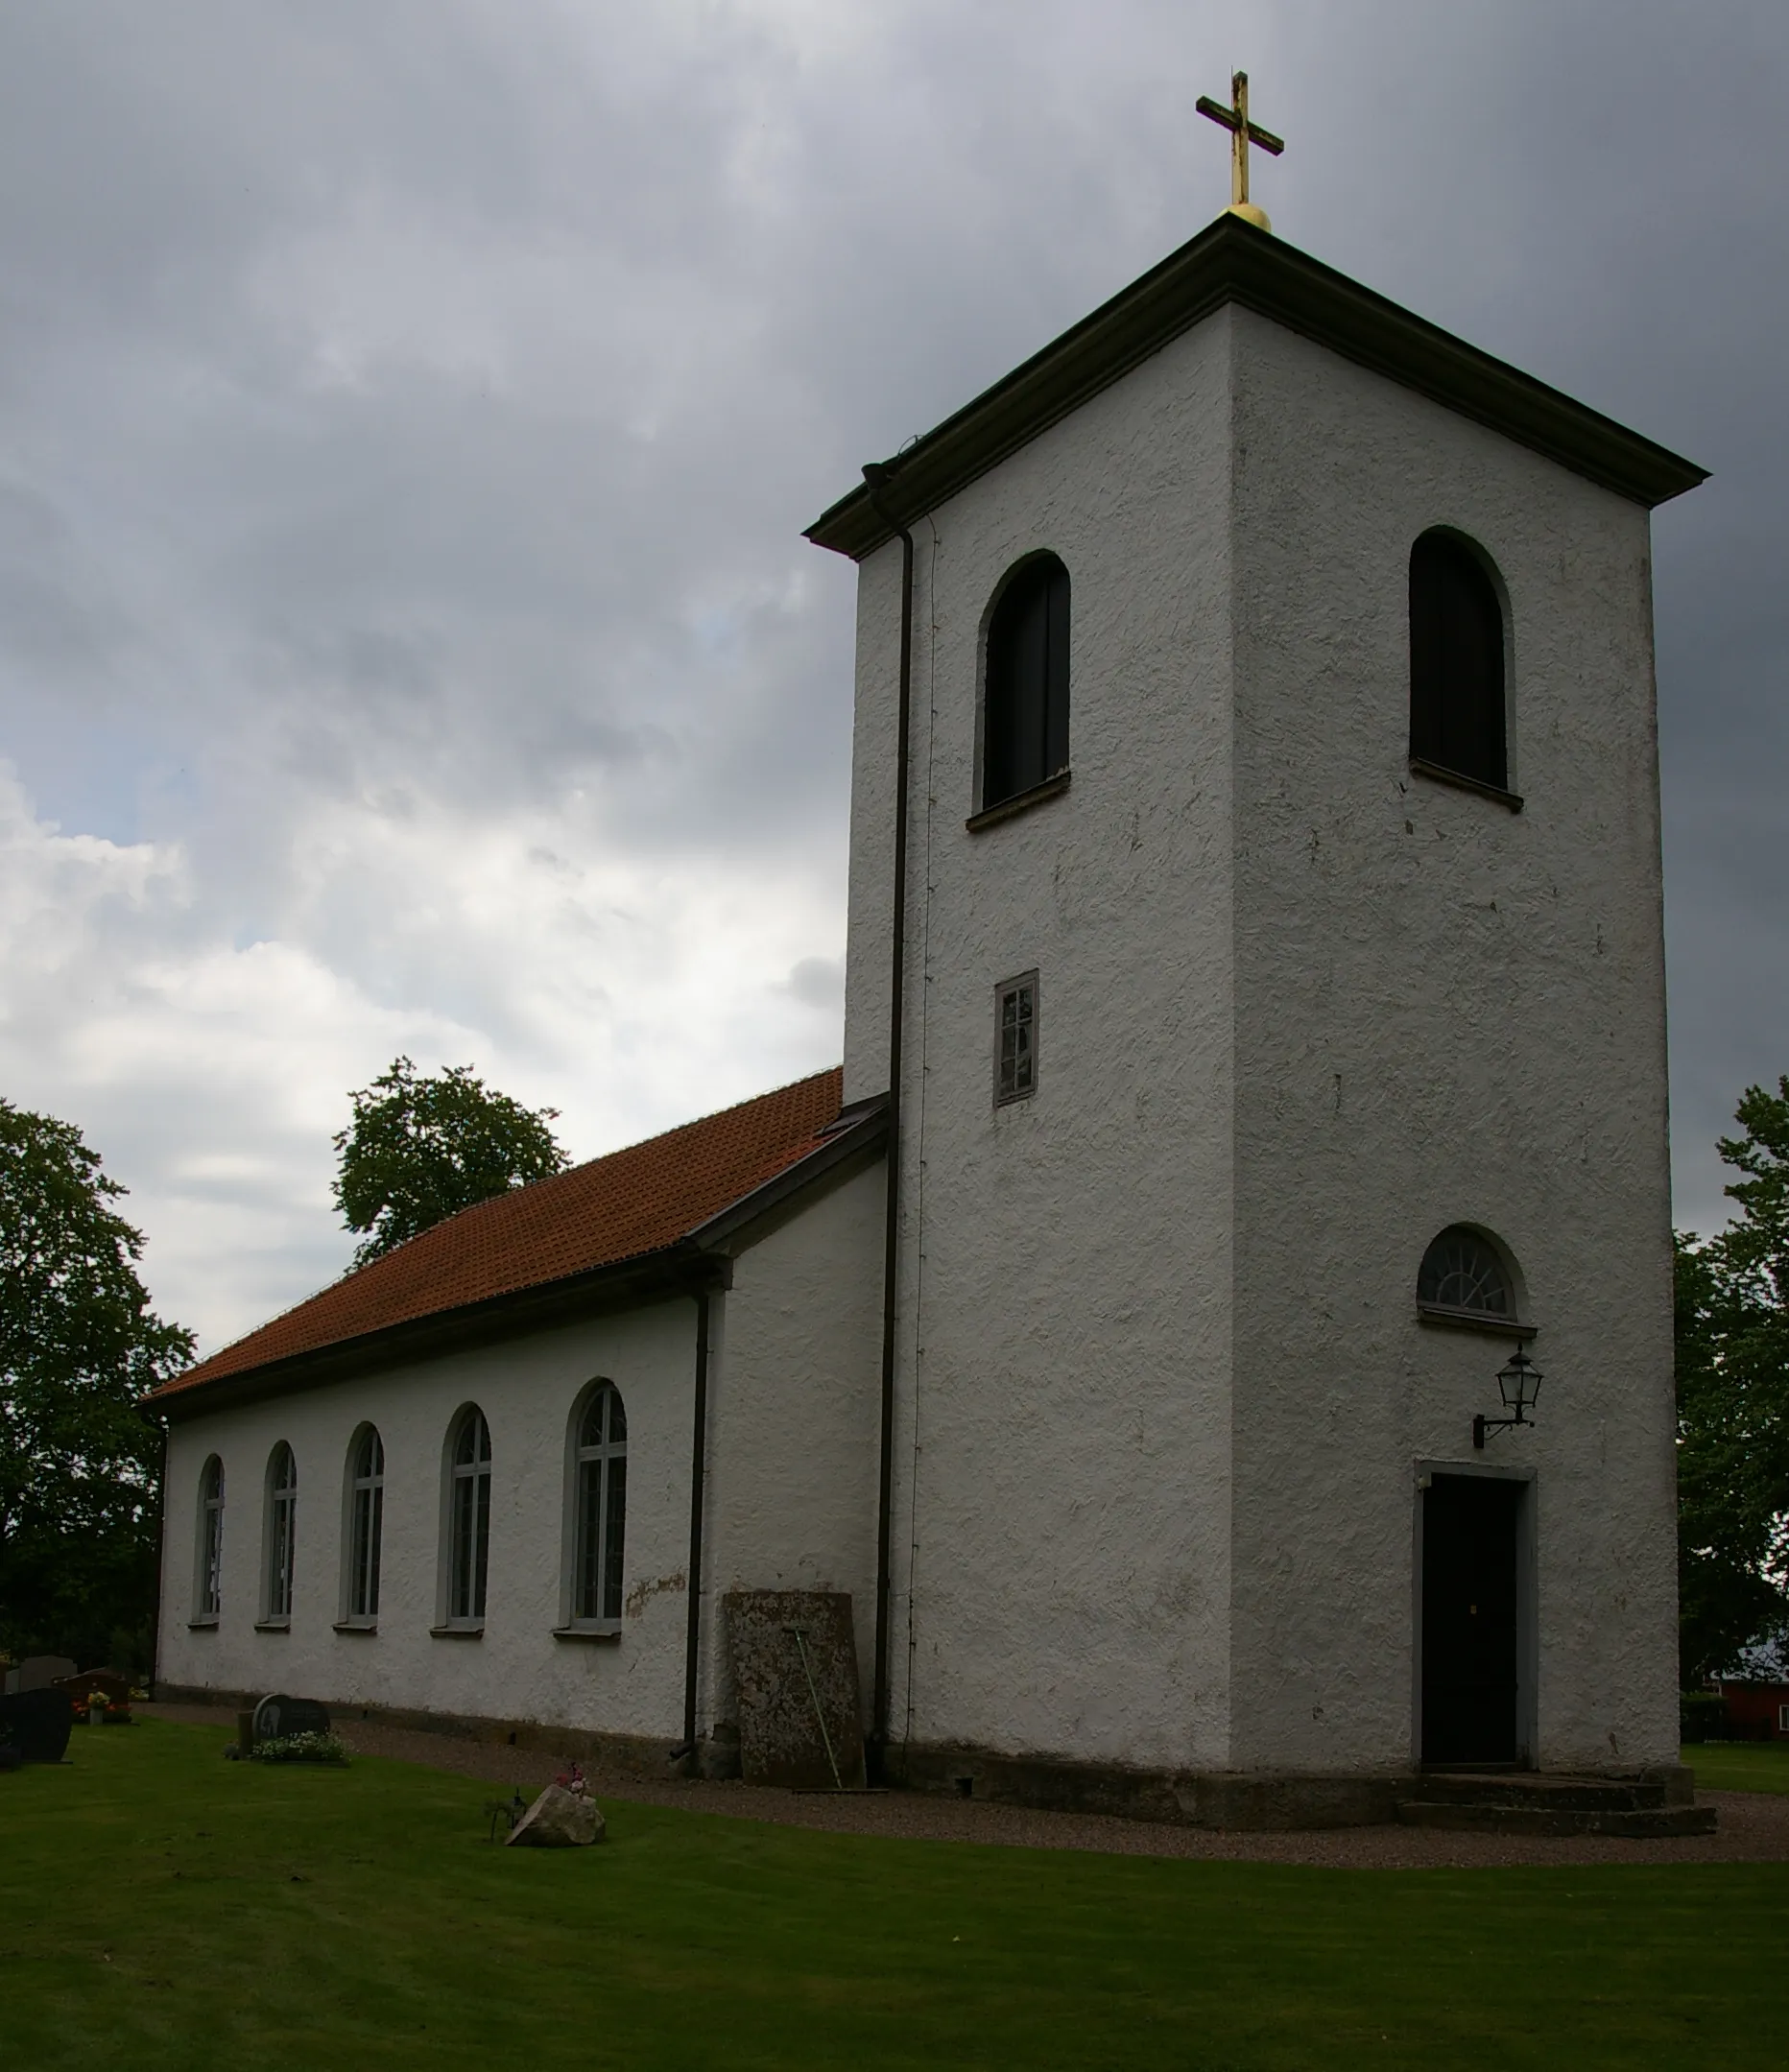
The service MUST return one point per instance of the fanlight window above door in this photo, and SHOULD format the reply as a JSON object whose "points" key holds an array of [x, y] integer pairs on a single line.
{"points": [[1464, 1272]]}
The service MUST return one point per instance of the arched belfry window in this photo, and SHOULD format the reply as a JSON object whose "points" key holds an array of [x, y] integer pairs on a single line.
{"points": [[282, 1533], [365, 1524], [1465, 1279], [1457, 680], [208, 1595], [1025, 692], [468, 1519], [600, 1488]]}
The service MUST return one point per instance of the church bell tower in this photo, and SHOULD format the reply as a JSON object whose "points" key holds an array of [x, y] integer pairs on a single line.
{"points": [[1254, 889]]}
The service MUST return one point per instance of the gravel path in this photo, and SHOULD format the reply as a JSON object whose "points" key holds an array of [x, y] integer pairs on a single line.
{"points": [[1754, 1826]]}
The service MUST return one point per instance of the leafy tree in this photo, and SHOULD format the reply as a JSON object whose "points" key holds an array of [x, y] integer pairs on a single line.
{"points": [[80, 1466], [422, 1149], [1733, 1383]]}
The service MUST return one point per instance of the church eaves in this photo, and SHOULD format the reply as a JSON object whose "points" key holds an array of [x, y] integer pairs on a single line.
{"points": [[642, 1221], [1232, 261]]}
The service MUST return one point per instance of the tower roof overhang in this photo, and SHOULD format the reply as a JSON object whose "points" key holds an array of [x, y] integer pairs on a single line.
{"points": [[1233, 261]]}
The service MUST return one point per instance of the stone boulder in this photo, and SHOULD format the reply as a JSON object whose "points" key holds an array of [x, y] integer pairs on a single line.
{"points": [[558, 1820]]}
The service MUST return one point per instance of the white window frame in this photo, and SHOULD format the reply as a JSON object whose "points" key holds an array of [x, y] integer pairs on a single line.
{"points": [[281, 1544], [209, 1551], [595, 1545], [465, 1528], [1026, 983], [363, 1531], [1782, 1719]]}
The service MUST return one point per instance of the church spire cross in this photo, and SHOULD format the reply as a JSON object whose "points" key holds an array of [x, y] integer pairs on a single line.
{"points": [[1243, 134]]}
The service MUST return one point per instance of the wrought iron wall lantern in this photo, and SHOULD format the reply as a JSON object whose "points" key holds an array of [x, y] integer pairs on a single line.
{"points": [[1520, 1382]]}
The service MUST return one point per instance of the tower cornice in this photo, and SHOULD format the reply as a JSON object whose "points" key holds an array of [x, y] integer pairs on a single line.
{"points": [[1232, 261]]}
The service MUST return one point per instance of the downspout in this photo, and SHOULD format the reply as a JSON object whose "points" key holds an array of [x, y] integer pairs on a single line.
{"points": [[161, 1564], [875, 477], [699, 1461]]}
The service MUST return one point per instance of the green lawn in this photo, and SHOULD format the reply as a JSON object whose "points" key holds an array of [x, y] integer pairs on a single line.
{"points": [[159, 1907], [1740, 1766]]}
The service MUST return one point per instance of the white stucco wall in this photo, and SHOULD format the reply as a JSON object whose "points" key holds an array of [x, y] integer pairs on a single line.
{"points": [[1061, 1519], [788, 1503], [1445, 1013], [1163, 1393], [793, 1419], [516, 1670]]}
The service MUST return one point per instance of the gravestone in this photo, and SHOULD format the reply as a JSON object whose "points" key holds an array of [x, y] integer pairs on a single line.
{"points": [[37, 1724], [277, 1717], [795, 1667], [36, 1671], [79, 1689]]}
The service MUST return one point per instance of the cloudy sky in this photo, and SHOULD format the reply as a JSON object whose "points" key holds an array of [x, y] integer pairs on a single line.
{"points": [[408, 414]]}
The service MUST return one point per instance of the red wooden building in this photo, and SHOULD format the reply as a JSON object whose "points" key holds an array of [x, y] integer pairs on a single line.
{"points": [[1756, 1711]]}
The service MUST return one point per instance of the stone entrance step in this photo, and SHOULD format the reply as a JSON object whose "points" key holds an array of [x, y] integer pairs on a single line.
{"points": [[1533, 1803]]}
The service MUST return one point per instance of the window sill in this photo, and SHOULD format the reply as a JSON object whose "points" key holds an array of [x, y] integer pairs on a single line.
{"points": [[1440, 773], [458, 1633], [1021, 803], [1473, 1320], [205, 1623], [599, 1636], [357, 1625], [272, 1626]]}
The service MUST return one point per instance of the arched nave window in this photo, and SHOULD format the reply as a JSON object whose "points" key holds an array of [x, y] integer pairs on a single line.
{"points": [[468, 1518], [208, 1592], [1464, 1274], [282, 1535], [1457, 697], [600, 1495], [366, 1523], [1025, 690]]}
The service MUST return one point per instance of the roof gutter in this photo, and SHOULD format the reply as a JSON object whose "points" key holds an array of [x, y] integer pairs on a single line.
{"points": [[876, 476]]}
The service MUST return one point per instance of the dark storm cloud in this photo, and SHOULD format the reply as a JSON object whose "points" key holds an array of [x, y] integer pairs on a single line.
{"points": [[409, 410]]}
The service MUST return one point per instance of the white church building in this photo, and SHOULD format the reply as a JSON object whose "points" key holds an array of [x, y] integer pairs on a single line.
{"points": [[1255, 1041]]}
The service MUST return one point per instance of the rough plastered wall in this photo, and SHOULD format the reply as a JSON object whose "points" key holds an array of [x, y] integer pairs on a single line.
{"points": [[1445, 1013], [516, 1670], [1062, 1524], [794, 1407]]}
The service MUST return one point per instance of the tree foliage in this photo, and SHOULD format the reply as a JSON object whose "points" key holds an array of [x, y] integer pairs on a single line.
{"points": [[1732, 1384], [78, 1344], [422, 1149]]}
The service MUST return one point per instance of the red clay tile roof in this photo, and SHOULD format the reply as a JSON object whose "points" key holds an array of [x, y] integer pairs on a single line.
{"points": [[634, 1202]]}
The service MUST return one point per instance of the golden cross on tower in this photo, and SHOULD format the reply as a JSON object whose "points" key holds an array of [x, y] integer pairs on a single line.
{"points": [[1243, 134]]}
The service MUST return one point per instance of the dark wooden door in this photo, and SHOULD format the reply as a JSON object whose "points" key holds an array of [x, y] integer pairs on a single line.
{"points": [[1469, 1618]]}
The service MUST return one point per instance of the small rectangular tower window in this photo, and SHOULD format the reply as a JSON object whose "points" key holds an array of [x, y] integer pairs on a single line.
{"points": [[1015, 1038]]}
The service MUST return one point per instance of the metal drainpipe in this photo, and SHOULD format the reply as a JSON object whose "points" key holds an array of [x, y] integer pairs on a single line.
{"points": [[161, 1566], [875, 477], [692, 1644]]}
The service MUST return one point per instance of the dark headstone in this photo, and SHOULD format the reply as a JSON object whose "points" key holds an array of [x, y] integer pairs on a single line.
{"points": [[38, 1671], [37, 1724], [277, 1716], [797, 1696], [81, 1688]]}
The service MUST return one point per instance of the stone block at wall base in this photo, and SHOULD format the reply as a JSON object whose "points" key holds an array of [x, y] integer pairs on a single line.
{"points": [[640, 1754], [1188, 1799]]}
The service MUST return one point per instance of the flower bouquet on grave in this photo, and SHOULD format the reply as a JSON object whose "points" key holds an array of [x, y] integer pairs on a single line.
{"points": [[301, 1748], [573, 1779]]}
